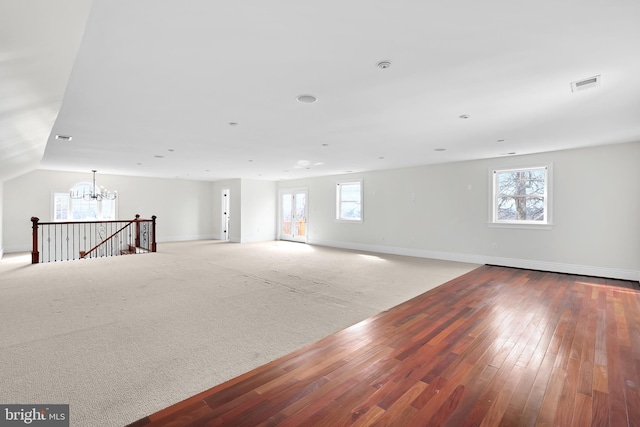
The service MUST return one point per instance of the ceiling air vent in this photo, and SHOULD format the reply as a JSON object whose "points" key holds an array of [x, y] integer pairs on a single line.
{"points": [[64, 137], [585, 84]]}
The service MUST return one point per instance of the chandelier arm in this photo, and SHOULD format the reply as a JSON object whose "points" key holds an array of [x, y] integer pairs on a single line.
{"points": [[94, 194]]}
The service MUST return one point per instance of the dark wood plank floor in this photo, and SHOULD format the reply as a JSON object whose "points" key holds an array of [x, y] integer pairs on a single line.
{"points": [[495, 347]]}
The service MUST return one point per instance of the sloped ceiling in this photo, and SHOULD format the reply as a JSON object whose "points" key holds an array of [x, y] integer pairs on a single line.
{"points": [[156, 85], [39, 40]]}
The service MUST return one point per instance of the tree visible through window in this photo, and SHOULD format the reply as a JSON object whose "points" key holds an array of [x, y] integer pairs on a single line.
{"points": [[349, 201], [521, 195]]}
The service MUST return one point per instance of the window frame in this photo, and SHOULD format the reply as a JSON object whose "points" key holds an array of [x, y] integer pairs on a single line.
{"points": [[547, 223], [99, 214], [339, 217]]}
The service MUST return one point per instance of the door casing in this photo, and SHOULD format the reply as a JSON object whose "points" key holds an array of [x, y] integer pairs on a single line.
{"points": [[298, 227]]}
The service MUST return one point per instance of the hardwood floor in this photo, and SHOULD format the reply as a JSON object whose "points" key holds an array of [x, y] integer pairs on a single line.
{"points": [[495, 347]]}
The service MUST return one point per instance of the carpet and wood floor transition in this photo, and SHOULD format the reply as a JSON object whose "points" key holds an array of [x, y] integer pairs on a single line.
{"points": [[494, 347], [287, 334]]}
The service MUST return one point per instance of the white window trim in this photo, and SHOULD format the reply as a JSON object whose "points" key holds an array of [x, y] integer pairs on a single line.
{"points": [[531, 225], [53, 206], [69, 207], [338, 200]]}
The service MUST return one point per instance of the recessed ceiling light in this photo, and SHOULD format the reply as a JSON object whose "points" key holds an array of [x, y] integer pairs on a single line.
{"points": [[171, 149], [383, 64], [138, 163], [381, 157], [233, 124], [64, 137], [464, 116], [440, 149], [158, 156], [250, 161], [325, 145], [500, 141], [306, 99]]}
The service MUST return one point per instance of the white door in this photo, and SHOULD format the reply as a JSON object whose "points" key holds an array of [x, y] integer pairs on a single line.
{"points": [[293, 215], [225, 213]]}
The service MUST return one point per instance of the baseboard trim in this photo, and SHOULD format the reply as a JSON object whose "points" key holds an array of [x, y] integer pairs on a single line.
{"points": [[186, 238], [17, 248], [585, 270]]}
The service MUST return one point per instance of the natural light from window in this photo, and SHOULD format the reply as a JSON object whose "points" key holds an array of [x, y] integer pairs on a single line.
{"points": [[521, 196], [67, 209], [349, 201]]}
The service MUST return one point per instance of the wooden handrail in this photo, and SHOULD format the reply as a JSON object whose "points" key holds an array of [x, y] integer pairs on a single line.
{"points": [[36, 254], [84, 254], [90, 222]]}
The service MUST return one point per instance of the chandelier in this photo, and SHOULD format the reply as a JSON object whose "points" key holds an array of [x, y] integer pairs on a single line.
{"points": [[102, 194]]}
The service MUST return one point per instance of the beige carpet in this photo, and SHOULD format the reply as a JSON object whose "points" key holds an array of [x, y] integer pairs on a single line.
{"points": [[120, 338]]}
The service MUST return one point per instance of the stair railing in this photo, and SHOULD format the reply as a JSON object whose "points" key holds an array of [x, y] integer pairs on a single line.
{"points": [[61, 241]]}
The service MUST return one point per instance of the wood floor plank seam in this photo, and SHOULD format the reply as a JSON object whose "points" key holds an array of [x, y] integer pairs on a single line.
{"points": [[495, 347]]}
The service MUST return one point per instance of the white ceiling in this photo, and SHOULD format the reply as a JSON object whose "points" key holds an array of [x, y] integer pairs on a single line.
{"points": [[165, 78], [38, 44]]}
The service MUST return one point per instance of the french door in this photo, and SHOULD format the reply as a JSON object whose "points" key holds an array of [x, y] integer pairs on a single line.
{"points": [[293, 215]]}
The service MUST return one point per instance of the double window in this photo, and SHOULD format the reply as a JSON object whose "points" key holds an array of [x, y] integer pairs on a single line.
{"points": [[522, 196], [67, 209], [349, 201]]}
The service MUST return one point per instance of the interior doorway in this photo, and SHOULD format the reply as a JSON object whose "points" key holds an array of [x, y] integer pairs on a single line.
{"points": [[293, 215], [226, 196]]}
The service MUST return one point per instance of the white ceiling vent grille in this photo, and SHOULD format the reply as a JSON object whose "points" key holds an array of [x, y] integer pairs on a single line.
{"points": [[585, 84]]}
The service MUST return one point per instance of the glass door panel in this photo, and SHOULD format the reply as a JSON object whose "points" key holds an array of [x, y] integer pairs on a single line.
{"points": [[293, 215], [300, 214]]}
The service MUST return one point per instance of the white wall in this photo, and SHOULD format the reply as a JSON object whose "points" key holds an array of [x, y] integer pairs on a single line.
{"points": [[437, 211], [1, 222], [184, 208], [441, 211], [252, 213], [258, 210]]}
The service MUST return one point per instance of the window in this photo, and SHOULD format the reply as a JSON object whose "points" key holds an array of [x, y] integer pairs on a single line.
{"points": [[349, 201], [67, 209], [521, 196]]}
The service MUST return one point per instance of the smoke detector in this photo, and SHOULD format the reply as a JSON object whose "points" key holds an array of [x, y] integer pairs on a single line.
{"points": [[584, 84], [383, 64]]}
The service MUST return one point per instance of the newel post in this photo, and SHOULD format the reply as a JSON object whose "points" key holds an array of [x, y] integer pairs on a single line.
{"points": [[137, 242], [153, 233], [35, 255]]}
